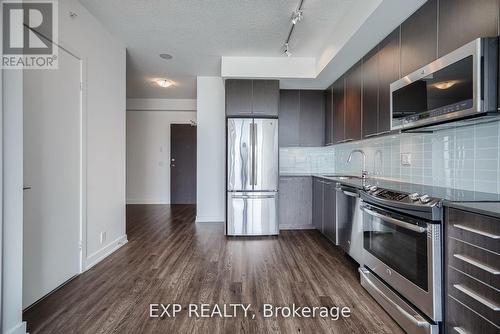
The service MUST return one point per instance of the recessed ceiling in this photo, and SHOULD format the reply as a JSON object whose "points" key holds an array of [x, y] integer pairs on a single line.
{"points": [[197, 33]]}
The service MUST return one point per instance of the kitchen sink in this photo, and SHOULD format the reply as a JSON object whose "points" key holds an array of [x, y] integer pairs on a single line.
{"points": [[342, 177]]}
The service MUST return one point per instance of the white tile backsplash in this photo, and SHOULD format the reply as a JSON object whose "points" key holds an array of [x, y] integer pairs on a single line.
{"points": [[464, 158]]}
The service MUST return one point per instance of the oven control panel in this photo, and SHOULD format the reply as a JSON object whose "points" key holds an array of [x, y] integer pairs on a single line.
{"points": [[391, 195]]}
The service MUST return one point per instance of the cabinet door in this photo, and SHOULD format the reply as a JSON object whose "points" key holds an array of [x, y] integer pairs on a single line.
{"points": [[312, 118], [419, 38], [461, 21], [388, 64], [329, 211], [317, 208], [295, 202], [265, 99], [329, 116], [238, 97], [289, 118], [353, 103], [338, 110], [370, 93]]}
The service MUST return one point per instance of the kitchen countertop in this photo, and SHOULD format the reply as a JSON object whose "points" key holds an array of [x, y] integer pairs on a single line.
{"points": [[484, 208], [448, 194], [475, 201]]}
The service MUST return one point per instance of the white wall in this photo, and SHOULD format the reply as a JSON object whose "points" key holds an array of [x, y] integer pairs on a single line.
{"points": [[211, 150], [104, 104], [148, 154]]}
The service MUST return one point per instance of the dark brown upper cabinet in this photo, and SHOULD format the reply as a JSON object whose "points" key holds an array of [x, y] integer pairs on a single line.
{"points": [[388, 64], [329, 116], [419, 38], [302, 118], [266, 97], [312, 118], [238, 97], [353, 103], [289, 118], [370, 75], [252, 97], [338, 110], [461, 21]]}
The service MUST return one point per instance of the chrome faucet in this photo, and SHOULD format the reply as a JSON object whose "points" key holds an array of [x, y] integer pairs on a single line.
{"points": [[364, 172]]}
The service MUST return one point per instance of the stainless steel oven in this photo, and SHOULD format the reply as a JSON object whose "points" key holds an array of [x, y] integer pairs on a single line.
{"points": [[402, 257], [461, 85]]}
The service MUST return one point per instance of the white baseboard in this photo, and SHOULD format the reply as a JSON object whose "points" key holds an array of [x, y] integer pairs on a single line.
{"points": [[19, 329], [296, 227], [104, 252], [209, 219], [147, 201]]}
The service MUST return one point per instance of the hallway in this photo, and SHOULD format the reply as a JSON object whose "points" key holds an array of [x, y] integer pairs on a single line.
{"points": [[170, 259]]}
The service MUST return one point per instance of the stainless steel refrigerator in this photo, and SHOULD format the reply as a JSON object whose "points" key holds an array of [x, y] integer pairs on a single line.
{"points": [[252, 176]]}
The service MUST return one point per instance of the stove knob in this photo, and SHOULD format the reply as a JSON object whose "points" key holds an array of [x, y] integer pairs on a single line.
{"points": [[414, 196], [367, 187], [425, 199], [373, 188]]}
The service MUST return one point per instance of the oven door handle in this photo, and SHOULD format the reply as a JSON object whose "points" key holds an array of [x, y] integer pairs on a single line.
{"points": [[415, 319], [395, 221]]}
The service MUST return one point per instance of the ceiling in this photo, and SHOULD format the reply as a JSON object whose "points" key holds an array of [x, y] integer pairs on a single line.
{"points": [[197, 33]]}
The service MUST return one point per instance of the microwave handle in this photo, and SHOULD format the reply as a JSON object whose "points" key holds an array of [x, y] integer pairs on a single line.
{"points": [[395, 221]]}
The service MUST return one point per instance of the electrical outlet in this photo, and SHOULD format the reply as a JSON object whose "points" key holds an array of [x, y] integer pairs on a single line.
{"points": [[406, 159], [103, 237]]}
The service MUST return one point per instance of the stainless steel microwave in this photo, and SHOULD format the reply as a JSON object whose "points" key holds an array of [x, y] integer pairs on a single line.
{"points": [[461, 86]]}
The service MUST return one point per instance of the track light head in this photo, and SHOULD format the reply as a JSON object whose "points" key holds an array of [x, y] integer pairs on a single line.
{"points": [[287, 51], [297, 16]]}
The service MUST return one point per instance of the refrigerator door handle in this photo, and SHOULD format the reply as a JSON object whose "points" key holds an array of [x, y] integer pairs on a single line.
{"points": [[252, 152], [255, 162]]}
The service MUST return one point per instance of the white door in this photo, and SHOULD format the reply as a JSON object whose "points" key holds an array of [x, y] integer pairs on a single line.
{"points": [[52, 168]]}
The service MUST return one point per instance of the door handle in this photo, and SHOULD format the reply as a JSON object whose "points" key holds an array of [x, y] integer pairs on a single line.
{"points": [[477, 264], [416, 319], [255, 143], [476, 231], [26, 187], [476, 297], [395, 221], [351, 194]]}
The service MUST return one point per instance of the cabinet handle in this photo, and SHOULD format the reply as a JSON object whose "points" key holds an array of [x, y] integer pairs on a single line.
{"points": [[383, 132], [460, 330], [476, 297], [477, 264], [476, 231], [371, 135]]}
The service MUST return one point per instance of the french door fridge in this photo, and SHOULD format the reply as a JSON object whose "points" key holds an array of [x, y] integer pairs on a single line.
{"points": [[252, 176]]}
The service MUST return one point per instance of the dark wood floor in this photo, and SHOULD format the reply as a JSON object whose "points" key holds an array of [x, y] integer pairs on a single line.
{"points": [[170, 259]]}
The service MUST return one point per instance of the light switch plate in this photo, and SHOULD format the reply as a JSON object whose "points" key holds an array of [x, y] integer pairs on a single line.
{"points": [[405, 159]]}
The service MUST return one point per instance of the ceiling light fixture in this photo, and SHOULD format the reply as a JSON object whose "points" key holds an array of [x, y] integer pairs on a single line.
{"points": [[166, 56], [164, 83], [297, 16]]}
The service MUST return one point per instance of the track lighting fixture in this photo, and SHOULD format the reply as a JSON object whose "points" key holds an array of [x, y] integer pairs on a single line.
{"points": [[297, 16], [287, 50]]}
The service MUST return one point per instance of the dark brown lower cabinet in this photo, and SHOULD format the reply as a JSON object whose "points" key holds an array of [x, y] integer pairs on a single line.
{"points": [[295, 202], [329, 210], [324, 200], [472, 269], [317, 206]]}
